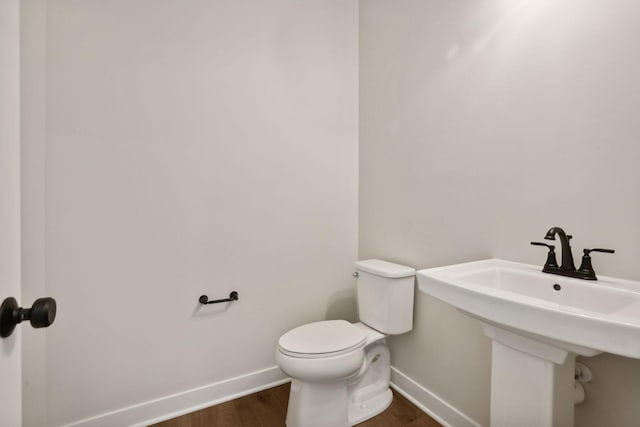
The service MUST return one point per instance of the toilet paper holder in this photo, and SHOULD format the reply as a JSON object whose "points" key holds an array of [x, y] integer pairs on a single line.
{"points": [[233, 296]]}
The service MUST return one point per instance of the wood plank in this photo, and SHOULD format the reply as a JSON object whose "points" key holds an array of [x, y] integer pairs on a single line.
{"points": [[260, 410], [227, 416]]}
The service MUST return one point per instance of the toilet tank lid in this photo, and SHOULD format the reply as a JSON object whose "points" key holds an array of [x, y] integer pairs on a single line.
{"points": [[385, 268]]}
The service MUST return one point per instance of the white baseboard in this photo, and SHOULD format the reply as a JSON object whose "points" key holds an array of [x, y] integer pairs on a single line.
{"points": [[164, 408], [430, 403]]}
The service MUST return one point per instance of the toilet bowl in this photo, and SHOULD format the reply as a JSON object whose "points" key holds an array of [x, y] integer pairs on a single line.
{"points": [[341, 371], [322, 351]]}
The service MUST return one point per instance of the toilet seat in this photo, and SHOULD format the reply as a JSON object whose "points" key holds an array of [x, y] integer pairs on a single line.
{"points": [[317, 340]]}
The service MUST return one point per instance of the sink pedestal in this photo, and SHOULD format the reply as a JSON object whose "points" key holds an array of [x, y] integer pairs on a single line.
{"points": [[532, 383]]}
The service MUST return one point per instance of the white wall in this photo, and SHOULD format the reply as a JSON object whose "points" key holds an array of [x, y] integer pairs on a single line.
{"points": [[482, 124], [193, 147]]}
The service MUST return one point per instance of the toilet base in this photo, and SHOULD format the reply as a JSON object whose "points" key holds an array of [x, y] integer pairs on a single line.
{"points": [[347, 402], [322, 405], [317, 404], [359, 412]]}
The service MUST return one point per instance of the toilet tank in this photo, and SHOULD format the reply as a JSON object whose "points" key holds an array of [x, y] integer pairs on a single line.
{"points": [[385, 295]]}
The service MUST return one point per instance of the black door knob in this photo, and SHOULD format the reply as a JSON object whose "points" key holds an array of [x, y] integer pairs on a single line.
{"points": [[41, 314]]}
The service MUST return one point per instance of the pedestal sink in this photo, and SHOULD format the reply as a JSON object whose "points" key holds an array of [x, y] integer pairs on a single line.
{"points": [[538, 323]]}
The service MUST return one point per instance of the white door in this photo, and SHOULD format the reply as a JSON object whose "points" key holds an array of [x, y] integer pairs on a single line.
{"points": [[10, 366]]}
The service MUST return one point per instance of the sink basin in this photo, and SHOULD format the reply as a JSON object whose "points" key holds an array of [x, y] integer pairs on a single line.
{"points": [[583, 317]]}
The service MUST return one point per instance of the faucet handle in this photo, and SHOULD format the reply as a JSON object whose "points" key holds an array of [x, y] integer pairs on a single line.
{"points": [[551, 256], [586, 267], [606, 251], [551, 247]]}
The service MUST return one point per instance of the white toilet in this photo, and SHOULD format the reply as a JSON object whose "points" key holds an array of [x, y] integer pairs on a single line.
{"points": [[340, 371]]}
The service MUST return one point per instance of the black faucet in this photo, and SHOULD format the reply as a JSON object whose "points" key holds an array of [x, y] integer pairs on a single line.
{"points": [[567, 268], [567, 256]]}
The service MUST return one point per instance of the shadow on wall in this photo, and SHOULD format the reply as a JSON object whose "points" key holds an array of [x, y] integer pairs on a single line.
{"points": [[342, 305]]}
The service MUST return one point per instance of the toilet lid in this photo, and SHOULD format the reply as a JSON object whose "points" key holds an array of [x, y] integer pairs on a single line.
{"points": [[322, 338]]}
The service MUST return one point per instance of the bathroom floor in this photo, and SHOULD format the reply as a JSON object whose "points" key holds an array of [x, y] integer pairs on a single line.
{"points": [[268, 408]]}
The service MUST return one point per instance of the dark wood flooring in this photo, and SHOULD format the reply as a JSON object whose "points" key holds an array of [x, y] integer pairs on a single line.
{"points": [[268, 408]]}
